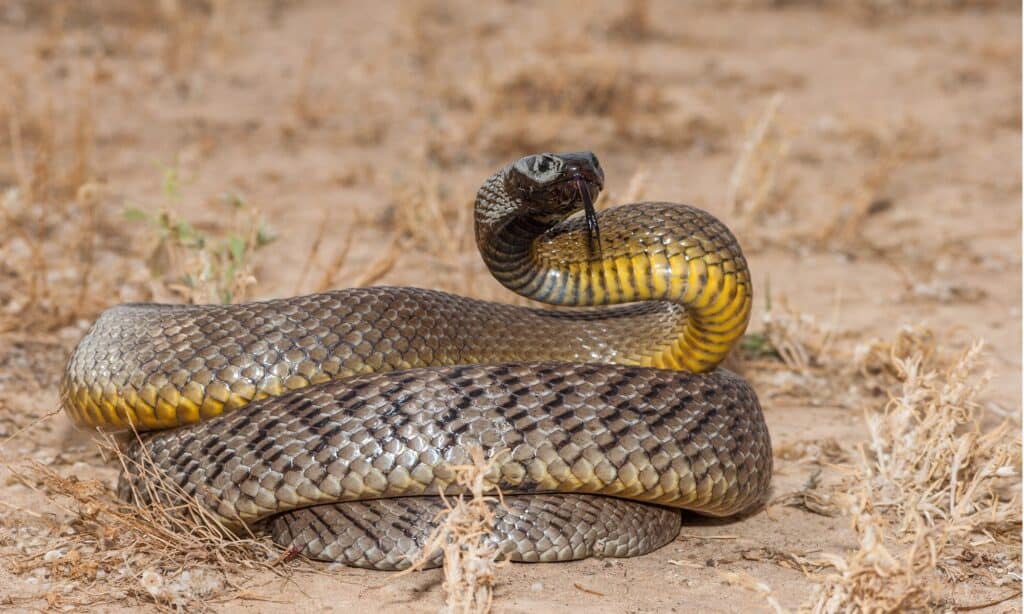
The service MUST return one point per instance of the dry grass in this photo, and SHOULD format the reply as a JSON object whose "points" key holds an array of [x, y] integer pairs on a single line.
{"points": [[470, 561], [932, 487], [795, 355], [634, 24], [928, 456], [931, 494], [174, 555], [52, 220], [602, 101], [434, 218], [872, 578], [757, 188], [935, 488]]}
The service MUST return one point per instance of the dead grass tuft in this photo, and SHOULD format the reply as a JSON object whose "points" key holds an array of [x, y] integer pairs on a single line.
{"points": [[873, 579], [52, 219], [931, 485], [470, 562], [601, 100], [934, 497], [928, 456], [796, 355], [172, 555], [593, 86], [877, 360]]}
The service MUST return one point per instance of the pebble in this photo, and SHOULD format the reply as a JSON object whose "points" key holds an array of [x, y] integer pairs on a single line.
{"points": [[53, 555]]}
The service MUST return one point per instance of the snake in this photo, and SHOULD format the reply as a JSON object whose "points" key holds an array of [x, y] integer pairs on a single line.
{"points": [[335, 421]]}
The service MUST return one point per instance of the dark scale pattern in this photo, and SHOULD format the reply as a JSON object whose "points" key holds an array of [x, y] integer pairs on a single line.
{"points": [[531, 529], [596, 429]]}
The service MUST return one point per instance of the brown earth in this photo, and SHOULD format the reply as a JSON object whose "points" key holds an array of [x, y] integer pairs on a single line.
{"points": [[886, 191]]}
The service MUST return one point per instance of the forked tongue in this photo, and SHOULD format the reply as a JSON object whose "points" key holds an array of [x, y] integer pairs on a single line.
{"points": [[594, 233]]}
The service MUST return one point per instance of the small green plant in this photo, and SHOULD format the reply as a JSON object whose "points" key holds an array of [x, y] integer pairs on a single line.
{"points": [[203, 266]]}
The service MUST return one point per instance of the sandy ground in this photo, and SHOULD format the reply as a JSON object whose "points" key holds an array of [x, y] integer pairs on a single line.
{"points": [[891, 176]]}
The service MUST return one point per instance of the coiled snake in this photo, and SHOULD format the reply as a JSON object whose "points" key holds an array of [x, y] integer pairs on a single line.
{"points": [[334, 418]]}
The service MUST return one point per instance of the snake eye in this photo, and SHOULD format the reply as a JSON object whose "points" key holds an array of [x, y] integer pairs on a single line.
{"points": [[540, 168], [543, 164]]}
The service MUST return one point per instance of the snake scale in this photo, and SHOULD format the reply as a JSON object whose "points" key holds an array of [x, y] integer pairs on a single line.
{"points": [[333, 420]]}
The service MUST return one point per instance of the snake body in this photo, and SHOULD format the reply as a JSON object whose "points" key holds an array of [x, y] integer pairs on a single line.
{"points": [[334, 418]]}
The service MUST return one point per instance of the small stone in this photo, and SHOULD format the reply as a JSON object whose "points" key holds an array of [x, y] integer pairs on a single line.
{"points": [[53, 555], [152, 582]]}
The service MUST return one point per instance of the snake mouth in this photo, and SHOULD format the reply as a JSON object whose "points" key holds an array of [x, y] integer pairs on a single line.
{"points": [[579, 188], [553, 187]]}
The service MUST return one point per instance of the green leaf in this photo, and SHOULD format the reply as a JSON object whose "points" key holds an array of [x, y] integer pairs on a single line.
{"points": [[171, 185], [758, 345], [134, 214], [234, 199], [237, 246], [754, 342]]}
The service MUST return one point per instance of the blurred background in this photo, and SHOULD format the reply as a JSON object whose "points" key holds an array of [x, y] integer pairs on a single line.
{"points": [[144, 141], [866, 153]]}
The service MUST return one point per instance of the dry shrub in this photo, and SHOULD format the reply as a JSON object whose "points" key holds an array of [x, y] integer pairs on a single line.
{"points": [[529, 107], [176, 556], [470, 563], [53, 224], [929, 456], [197, 34], [60, 249], [930, 488], [801, 341], [928, 476], [877, 360], [588, 86], [306, 105], [872, 578], [795, 355]]}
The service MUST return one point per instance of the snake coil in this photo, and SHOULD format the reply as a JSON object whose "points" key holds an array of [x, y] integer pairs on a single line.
{"points": [[333, 419]]}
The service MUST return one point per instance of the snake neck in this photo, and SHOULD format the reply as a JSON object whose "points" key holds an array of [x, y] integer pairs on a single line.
{"points": [[649, 252], [506, 233]]}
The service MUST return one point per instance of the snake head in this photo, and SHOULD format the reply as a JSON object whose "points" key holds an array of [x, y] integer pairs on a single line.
{"points": [[554, 186]]}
